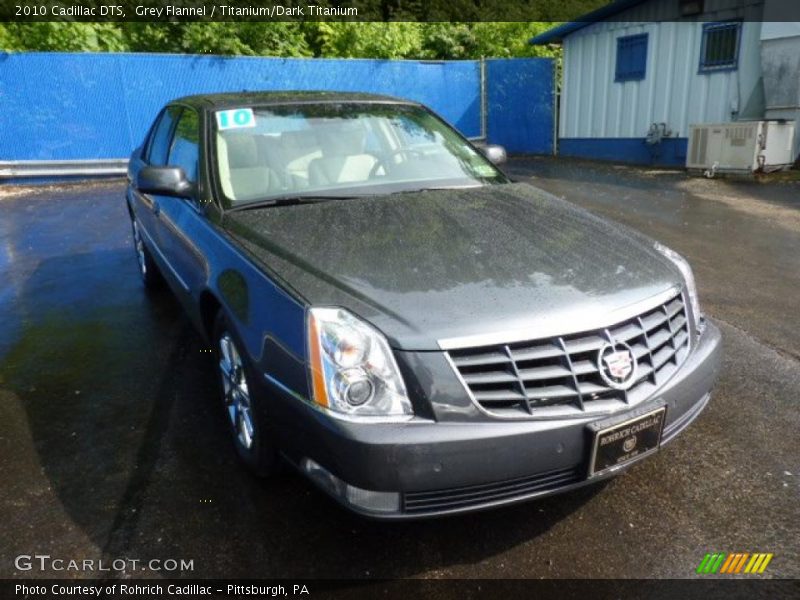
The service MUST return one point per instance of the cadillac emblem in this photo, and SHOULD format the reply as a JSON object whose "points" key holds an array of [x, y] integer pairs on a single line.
{"points": [[617, 365]]}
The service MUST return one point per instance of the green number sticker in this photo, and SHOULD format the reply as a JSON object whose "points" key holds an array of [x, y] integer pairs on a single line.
{"points": [[235, 118]]}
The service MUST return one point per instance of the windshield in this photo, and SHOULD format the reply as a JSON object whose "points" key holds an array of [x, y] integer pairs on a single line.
{"points": [[341, 150]]}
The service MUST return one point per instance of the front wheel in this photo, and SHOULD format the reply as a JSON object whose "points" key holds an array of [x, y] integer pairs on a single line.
{"points": [[244, 414]]}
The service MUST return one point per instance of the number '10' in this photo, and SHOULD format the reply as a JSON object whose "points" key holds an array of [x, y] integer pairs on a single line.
{"points": [[240, 117]]}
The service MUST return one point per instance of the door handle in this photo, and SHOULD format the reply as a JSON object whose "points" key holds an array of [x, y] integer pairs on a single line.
{"points": [[156, 208]]}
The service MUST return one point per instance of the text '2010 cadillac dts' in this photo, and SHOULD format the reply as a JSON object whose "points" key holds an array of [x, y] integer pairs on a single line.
{"points": [[391, 314]]}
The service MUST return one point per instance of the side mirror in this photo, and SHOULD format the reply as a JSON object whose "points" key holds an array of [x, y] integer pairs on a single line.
{"points": [[496, 154], [164, 181]]}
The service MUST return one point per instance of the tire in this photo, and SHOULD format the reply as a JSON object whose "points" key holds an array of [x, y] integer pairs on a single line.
{"points": [[148, 269], [244, 411]]}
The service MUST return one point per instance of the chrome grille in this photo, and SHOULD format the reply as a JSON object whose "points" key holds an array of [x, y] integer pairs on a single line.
{"points": [[560, 375]]}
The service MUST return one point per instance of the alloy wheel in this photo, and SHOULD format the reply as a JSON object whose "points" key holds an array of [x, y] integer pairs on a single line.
{"points": [[139, 247], [236, 392]]}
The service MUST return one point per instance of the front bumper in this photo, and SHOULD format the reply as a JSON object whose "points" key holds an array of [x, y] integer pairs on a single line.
{"points": [[449, 467]]}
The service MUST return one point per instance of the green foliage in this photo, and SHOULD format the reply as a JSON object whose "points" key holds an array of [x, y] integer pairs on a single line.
{"points": [[154, 37], [226, 38], [436, 41], [62, 37], [475, 40], [373, 40], [391, 40], [6, 39], [507, 40], [449, 40]]}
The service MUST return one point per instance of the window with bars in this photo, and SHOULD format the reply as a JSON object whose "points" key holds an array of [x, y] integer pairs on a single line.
{"points": [[631, 57], [720, 49]]}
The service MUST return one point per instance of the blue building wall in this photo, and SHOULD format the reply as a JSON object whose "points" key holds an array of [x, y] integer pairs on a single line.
{"points": [[58, 106], [671, 152]]}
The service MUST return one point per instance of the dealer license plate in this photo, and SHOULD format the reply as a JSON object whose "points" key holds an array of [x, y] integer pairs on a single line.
{"points": [[624, 442]]}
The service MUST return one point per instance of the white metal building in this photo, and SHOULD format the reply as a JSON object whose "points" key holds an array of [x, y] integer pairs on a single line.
{"points": [[638, 73]]}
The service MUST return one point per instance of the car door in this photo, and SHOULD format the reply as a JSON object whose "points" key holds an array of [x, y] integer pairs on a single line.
{"points": [[181, 222], [145, 206]]}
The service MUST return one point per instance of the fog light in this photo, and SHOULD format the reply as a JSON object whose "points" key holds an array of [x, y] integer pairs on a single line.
{"points": [[378, 502], [366, 500]]}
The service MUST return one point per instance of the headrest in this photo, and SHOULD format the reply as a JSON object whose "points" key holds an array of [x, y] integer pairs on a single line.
{"points": [[342, 139], [242, 151], [297, 142]]}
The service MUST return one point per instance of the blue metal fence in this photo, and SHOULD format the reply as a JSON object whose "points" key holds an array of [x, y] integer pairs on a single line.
{"points": [[520, 104], [62, 106]]}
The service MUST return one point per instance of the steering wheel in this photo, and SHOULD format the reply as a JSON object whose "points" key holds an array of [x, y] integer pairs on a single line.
{"points": [[385, 159]]}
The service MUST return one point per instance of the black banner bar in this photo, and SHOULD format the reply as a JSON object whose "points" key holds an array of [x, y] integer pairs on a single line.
{"points": [[711, 588]]}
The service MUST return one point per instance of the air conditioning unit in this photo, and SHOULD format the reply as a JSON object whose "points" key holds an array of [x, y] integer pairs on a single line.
{"points": [[743, 146]]}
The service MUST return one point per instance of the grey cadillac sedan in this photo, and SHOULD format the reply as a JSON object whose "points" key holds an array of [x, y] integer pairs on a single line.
{"points": [[393, 316]]}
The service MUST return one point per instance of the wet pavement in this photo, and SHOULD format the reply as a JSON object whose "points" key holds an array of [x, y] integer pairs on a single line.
{"points": [[112, 444]]}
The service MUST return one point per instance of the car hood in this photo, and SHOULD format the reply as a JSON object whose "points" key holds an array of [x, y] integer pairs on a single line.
{"points": [[458, 265]]}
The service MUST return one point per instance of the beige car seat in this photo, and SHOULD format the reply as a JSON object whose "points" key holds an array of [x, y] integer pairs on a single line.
{"points": [[243, 175], [298, 149], [343, 158]]}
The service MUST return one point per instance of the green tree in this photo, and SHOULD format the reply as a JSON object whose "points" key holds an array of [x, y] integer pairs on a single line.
{"points": [[154, 37], [449, 40], [369, 40], [63, 37], [506, 40], [426, 40], [391, 40], [226, 38]]}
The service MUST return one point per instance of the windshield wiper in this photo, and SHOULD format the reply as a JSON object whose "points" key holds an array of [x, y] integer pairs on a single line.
{"points": [[285, 201], [436, 188]]}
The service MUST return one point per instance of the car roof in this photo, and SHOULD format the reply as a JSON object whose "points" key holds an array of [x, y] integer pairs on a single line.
{"points": [[236, 99]]}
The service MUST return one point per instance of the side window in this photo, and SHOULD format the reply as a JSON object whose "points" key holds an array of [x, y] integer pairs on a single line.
{"points": [[720, 49], [158, 146], [631, 57], [185, 151]]}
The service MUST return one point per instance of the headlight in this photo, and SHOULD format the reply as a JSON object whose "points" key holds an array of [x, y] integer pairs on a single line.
{"points": [[688, 277], [353, 371]]}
